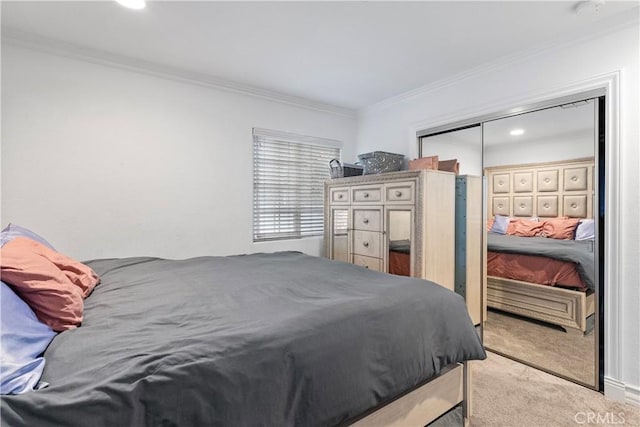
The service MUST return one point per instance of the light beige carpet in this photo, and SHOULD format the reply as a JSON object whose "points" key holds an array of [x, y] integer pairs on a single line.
{"points": [[510, 394], [571, 354]]}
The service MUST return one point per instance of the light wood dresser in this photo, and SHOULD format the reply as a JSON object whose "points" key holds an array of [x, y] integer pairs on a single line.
{"points": [[406, 216]]}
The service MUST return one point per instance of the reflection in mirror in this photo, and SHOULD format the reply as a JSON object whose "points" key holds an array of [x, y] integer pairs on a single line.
{"points": [[340, 237], [465, 145], [400, 242], [541, 271]]}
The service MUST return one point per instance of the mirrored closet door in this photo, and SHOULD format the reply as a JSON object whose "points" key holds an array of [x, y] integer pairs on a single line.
{"points": [[463, 147], [541, 261], [541, 215]]}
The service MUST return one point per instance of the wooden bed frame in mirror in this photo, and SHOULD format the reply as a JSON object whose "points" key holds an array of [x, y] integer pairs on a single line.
{"points": [[563, 307], [544, 190]]}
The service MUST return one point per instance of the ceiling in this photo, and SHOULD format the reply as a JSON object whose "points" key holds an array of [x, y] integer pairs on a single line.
{"points": [[571, 122], [346, 54]]}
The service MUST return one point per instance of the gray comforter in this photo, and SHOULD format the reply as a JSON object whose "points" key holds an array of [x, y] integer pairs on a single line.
{"points": [[402, 246], [268, 339], [577, 251]]}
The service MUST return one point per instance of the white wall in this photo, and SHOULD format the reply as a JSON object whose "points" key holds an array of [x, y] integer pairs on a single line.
{"points": [[391, 126], [399, 225], [105, 162]]}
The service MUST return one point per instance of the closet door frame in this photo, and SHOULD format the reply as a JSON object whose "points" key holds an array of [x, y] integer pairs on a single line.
{"points": [[605, 144]]}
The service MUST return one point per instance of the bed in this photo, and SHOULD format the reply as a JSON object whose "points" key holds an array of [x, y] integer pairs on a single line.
{"points": [[542, 278], [545, 279], [265, 339], [400, 257]]}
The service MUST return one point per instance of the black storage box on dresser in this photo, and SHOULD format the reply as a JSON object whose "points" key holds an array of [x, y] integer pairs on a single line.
{"points": [[339, 170], [351, 169]]}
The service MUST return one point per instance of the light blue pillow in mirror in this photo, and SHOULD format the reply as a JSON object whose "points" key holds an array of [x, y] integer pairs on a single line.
{"points": [[500, 224], [23, 339], [586, 230]]}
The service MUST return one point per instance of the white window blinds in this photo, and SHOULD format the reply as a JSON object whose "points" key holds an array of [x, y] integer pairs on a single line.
{"points": [[288, 183]]}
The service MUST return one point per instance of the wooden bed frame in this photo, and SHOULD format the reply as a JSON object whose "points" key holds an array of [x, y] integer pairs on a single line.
{"points": [[544, 190], [563, 307], [427, 402]]}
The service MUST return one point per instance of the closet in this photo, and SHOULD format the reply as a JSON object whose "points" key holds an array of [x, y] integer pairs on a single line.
{"points": [[540, 189]]}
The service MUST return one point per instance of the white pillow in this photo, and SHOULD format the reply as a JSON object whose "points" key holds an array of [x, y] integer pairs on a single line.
{"points": [[586, 230], [500, 224]]}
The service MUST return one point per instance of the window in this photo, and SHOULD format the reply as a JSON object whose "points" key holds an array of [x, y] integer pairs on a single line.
{"points": [[288, 183]]}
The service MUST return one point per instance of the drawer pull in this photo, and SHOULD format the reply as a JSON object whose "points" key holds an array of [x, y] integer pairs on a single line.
{"points": [[398, 193], [339, 196], [365, 244], [365, 220], [366, 195]]}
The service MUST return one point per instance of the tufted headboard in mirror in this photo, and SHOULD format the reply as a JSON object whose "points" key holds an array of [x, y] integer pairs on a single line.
{"points": [[554, 189]]}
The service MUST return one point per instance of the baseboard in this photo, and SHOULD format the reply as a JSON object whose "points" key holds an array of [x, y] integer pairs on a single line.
{"points": [[633, 396], [621, 392]]}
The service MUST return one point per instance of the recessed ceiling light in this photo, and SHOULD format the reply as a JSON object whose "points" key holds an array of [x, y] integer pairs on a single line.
{"points": [[516, 132], [133, 4]]}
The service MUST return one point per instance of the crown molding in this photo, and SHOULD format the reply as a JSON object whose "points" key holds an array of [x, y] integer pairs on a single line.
{"points": [[606, 27], [96, 56]]}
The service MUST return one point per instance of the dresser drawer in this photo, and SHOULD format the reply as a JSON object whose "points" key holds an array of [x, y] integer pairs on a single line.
{"points": [[401, 192], [366, 243], [367, 219], [367, 194], [340, 196], [368, 262]]}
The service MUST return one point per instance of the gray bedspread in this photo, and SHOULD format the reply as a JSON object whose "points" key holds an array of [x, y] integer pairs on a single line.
{"points": [[402, 246], [577, 251], [252, 340]]}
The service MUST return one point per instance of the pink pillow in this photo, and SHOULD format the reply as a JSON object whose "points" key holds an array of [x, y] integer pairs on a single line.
{"points": [[560, 228], [490, 222], [52, 284], [527, 228]]}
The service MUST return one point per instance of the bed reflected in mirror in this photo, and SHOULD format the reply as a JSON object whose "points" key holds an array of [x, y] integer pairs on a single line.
{"points": [[541, 204], [399, 257]]}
